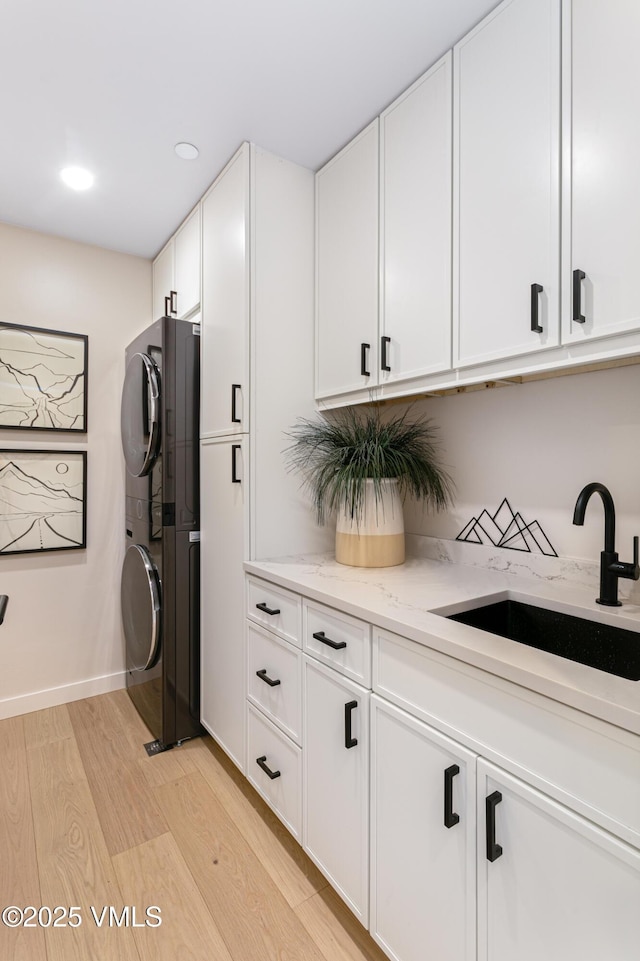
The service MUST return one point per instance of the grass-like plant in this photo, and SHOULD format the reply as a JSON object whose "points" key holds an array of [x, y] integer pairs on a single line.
{"points": [[336, 452]]}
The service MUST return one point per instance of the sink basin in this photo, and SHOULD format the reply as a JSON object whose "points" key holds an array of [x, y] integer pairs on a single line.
{"points": [[602, 646]]}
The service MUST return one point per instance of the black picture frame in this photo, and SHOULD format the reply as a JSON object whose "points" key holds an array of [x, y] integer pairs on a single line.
{"points": [[43, 379], [44, 498]]}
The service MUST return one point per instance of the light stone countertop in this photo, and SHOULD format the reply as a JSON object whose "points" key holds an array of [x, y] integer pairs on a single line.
{"points": [[402, 600]]}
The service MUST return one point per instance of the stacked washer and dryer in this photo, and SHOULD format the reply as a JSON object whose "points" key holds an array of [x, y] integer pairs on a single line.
{"points": [[160, 587]]}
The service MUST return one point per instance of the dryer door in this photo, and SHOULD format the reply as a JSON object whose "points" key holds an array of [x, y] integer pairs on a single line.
{"points": [[140, 597], [140, 414]]}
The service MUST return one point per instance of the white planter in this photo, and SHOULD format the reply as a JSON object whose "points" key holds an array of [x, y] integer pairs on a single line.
{"points": [[377, 538]]}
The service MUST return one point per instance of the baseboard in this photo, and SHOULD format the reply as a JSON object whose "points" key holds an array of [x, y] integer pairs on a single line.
{"points": [[26, 703]]}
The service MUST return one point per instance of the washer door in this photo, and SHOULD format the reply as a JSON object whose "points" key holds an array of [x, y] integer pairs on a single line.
{"points": [[140, 414], [140, 598]]}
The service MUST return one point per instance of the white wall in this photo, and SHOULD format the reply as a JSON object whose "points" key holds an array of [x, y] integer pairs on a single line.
{"points": [[538, 444], [62, 636]]}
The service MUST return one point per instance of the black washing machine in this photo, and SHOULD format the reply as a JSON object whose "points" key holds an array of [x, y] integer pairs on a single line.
{"points": [[160, 587]]}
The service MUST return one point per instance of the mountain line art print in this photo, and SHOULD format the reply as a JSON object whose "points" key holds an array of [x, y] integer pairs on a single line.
{"points": [[42, 500], [506, 528], [42, 378]]}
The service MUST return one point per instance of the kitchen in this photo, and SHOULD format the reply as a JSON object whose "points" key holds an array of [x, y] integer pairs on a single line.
{"points": [[511, 440]]}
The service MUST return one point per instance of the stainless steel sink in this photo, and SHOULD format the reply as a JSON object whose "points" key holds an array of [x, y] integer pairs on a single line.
{"points": [[594, 643]]}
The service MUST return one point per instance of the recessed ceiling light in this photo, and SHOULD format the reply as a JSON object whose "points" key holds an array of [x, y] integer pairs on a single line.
{"points": [[186, 151], [77, 178]]}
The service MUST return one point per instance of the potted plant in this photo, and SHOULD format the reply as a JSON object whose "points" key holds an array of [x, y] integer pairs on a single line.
{"points": [[361, 465]]}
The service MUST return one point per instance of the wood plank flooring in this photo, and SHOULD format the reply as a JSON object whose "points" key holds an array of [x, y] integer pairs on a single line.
{"points": [[88, 820]]}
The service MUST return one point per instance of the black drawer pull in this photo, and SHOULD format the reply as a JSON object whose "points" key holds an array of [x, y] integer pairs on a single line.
{"points": [[173, 301], [349, 741], [336, 645], [578, 277], [363, 360], [265, 677], [234, 465], [536, 290], [263, 607], [234, 413], [167, 306], [383, 351], [260, 761], [450, 817], [494, 850]]}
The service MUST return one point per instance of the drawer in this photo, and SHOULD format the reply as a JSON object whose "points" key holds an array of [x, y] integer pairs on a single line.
{"points": [[585, 763], [274, 680], [339, 640], [282, 758], [276, 608]]}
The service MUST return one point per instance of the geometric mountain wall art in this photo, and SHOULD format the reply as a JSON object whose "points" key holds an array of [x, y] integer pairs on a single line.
{"points": [[506, 528], [43, 376], [43, 501]]}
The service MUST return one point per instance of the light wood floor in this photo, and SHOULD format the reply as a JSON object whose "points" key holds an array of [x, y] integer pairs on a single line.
{"points": [[87, 819]]}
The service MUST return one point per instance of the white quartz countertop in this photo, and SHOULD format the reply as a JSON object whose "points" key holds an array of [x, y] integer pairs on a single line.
{"points": [[402, 599]]}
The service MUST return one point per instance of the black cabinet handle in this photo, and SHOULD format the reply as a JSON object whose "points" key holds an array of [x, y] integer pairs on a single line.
{"points": [[167, 306], [349, 741], [260, 761], [383, 353], [363, 360], [4, 600], [494, 851], [234, 467], [267, 610], [450, 817], [234, 414], [265, 677], [173, 294], [536, 290], [578, 277], [336, 645]]}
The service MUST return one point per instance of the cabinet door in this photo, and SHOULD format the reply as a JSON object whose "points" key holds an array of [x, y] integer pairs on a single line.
{"points": [[347, 268], [336, 782], [187, 265], [423, 857], [163, 273], [506, 183], [225, 302], [415, 226], [224, 547], [559, 887], [602, 190]]}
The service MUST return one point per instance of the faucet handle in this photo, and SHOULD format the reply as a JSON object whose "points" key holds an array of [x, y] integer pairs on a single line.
{"points": [[630, 571]]}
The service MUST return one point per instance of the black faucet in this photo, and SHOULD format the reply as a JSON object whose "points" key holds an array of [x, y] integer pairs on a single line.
{"points": [[610, 567]]}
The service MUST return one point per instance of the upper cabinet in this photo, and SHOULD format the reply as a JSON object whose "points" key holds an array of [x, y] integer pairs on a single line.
{"points": [[176, 272], [347, 268], [601, 116], [507, 183], [415, 229], [225, 303]]}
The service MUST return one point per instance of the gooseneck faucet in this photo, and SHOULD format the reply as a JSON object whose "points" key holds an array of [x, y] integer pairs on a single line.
{"points": [[610, 567]]}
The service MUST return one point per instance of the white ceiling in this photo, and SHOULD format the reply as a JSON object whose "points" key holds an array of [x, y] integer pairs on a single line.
{"points": [[113, 84]]}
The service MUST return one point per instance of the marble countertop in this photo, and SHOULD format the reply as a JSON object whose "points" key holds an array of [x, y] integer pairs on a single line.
{"points": [[403, 600]]}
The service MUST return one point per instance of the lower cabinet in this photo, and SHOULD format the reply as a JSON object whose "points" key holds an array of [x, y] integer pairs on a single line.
{"points": [[423, 840], [336, 782], [550, 883]]}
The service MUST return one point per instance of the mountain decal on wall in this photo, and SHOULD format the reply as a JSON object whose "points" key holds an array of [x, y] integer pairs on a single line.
{"points": [[507, 528]]}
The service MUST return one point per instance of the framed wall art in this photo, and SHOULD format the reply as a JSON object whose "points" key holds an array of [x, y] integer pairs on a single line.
{"points": [[43, 379], [43, 497]]}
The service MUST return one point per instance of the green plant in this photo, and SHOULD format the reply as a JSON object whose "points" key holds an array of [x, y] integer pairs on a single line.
{"points": [[337, 452]]}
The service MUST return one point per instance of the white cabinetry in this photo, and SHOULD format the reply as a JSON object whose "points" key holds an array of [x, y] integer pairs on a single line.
{"points": [[347, 268], [257, 363], [507, 183], [336, 781], [602, 189], [423, 840], [224, 472], [559, 886], [415, 229], [176, 272]]}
